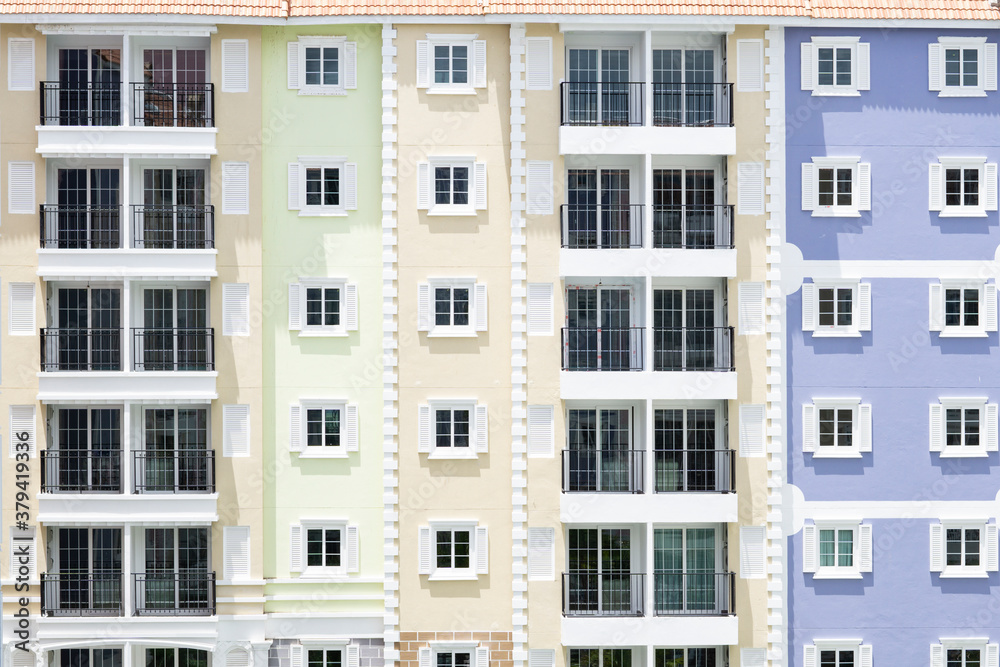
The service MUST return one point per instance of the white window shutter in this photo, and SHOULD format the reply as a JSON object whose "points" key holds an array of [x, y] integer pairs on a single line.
{"points": [[539, 187], [295, 548], [866, 651], [934, 67], [752, 434], [482, 308], [351, 65], [353, 561], [865, 547], [753, 554], [750, 298], [750, 182], [936, 303], [479, 63], [353, 436], [424, 552], [809, 548], [351, 306], [293, 66], [753, 657], [541, 657], [809, 306], [864, 306], [235, 66], [423, 63], [808, 69], [424, 426], [993, 655], [538, 63], [540, 313], [351, 186], [482, 429], [480, 184], [482, 550], [237, 657], [992, 410], [990, 306], [296, 655], [808, 186], [294, 186], [424, 657], [235, 552], [865, 427], [541, 431], [935, 186], [294, 306], [541, 554], [937, 655], [809, 438], [236, 430], [20, 64], [864, 186], [235, 309], [22, 428], [21, 314], [864, 66], [424, 307], [937, 427], [992, 557], [482, 656], [423, 185], [990, 175], [809, 656], [990, 66], [21, 187], [236, 188], [354, 655], [937, 547], [295, 428], [749, 65]]}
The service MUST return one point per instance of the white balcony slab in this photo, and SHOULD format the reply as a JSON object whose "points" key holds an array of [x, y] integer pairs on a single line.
{"points": [[655, 508], [649, 630], [197, 631], [646, 140], [54, 264], [659, 263], [642, 385], [111, 386], [199, 509], [60, 141]]}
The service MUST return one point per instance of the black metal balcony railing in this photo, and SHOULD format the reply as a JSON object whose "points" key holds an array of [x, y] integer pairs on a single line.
{"points": [[693, 349], [600, 349], [173, 227], [81, 471], [693, 593], [75, 227], [602, 104], [177, 471], [597, 226], [602, 471], [692, 470], [603, 594], [81, 349], [693, 104], [173, 349], [81, 104], [693, 227], [81, 594], [173, 104], [174, 593]]}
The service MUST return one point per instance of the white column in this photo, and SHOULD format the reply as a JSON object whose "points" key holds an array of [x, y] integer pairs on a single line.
{"points": [[127, 569], [648, 569], [126, 345], [647, 62], [125, 198], [650, 425], [647, 195], [648, 303], [126, 466], [126, 74]]}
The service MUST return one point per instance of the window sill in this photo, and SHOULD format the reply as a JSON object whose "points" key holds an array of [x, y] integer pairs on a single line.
{"points": [[850, 453], [836, 334], [975, 453], [963, 334], [836, 213], [322, 214], [304, 454], [323, 334], [451, 91], [443, 453], [832, 92], [962, 213], [304, 90], [452, 576], [451, 334], [972, 574], [945, 92], [847, 574]]}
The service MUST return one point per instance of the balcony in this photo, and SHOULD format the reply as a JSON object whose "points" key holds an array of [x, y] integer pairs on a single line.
{"points": [[604, 471], [694, 471], [694, 593], [80, 350], [606, 104], [174, 593], [693, 104], [693, 349], [603, 594], [603, 349], [81, 594], [173, 104], [693, 227], [190, 349], [178, 471], [81, 471], [79, 227], [81, 104], [173, 227], [601, 227]]}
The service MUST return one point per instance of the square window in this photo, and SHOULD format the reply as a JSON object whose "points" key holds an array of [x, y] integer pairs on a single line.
{"points": [[835, 65], [960, 67], [453, 549], [321, 65], [963, 548], [961, 309], [323, 547], [836, 427], [836, 548], [836, 186], [963, 657], [837, 658], [323, 306], [452, 428], [961, 187], [451, 185], [320, 657], [322, 186], [451, 65], [836, 307], [323, 427], [451, 306]]}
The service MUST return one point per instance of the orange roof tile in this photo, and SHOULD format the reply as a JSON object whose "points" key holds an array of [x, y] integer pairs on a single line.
{"points": [[652, 7], [904, 9], [386, 8], [243, 8]]}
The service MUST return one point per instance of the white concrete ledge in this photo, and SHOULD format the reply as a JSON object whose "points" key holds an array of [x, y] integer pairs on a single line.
{"points": [[655, 508], [60, 141], [658, 263], [653, 385], [651, 630], [56, 264], [576, 140], [104, 386]]}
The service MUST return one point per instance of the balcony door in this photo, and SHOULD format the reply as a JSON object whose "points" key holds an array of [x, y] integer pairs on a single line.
{"points": [[599, 334], [90, 87], [684, 212], [599, 209], [684, 329], [87, 452], [685, 562], [685, 450], [175, 455], [598, 92], [176, 570], [600, 456], [88, 657], [86, 213], [89, 569], [684, 86], [173, 212], [175, 93], [175, 329], [88, 337], [599, 575]]}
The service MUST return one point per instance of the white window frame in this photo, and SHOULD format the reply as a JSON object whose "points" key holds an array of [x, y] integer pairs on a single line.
{"points": [[836, 43], [338, 163], [339, 43], [853, 210], [322, 329], [439, 647], [453, 452], [323, 570], [323, 451], [852, 571], [851, 331], [451, 330], [961, 210], [965, 571], [452, 208], [963, 450], [963, 43], [987, 651], [450, 573], [451, 88], [859, 431], [960, 330], [813, 651]]}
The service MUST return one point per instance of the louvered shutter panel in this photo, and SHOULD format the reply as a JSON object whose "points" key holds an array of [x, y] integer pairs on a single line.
{"points": [[22, 428], [294, 306], [236, 188], [752, 436], [538, 63], [934, 67], [809, 659], [937, 427], [809, 548], [236, 552], [423, 63], [750, 298], [296, 654], [294, 186], [808, 186], [21, 187], [20, 64], [351, 306], [480, 182], [481, 307], [293, 66], [423, 185], [809, 306], [424, 429], [541, 433], [425, 657], [990, 66], [235, 66], [936, 304], [753, 657], [750, 194], [990, 306], [238, 657], [424, 307], [808, 69], [479, 63], [482, 656], [351, 186], [482, 429], [236, 430], [864, 306], [295, 548], [19, 560], [866, 650], [990, 174], [424, 552], [937, 547], [937, 655], [864, 66], [295, 428], [482, 550], [235, 309], [539, 187], [991, 427], [864, 186], [865, 547], [353, 560], [753, 545], [353, 655], [865, 427], [749, 65], [935, 186], [540, 313], [993, 655], [351, 65], [353, 436], [541, 554], [541, 657], [809, 443], [21, 314], [992, 557]]}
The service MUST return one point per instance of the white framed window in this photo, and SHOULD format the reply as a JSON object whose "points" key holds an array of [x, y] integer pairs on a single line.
{"points": [[323, 307], [321, 547], [322, 186], [322, 65], [453, 429], [962, 187], [838, 653], [451, 64], [963, 427], [837, 550], [451, 186], [323, 428], [324, 655], [837, 428], [836, 308], [962, 66], [836, 66], [963, 309], [454, 654], [835, 187], [454, 307], [453, 550], [965, 652], [963, 549]]}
